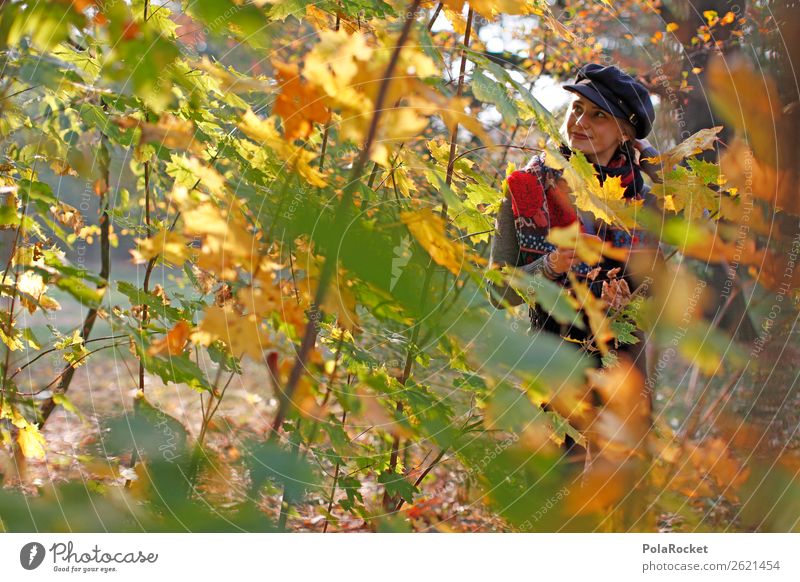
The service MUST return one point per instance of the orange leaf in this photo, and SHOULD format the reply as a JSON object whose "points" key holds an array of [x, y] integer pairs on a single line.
{"points": [[173, 342], [299, 104]]}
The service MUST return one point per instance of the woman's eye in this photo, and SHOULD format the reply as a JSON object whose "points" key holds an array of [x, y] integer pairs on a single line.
{"points": [[600, 114]]}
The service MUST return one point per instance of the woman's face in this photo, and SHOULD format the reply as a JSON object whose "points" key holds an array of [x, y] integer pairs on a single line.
{"points": [[593, 131]]}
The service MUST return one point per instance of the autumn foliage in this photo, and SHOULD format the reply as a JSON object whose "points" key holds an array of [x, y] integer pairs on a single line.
{"points": [[299, 198]]}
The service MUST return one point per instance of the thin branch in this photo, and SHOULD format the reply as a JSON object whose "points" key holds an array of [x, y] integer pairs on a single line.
{"points": [[51, 350], [435, 15], [310, 335], [459, 92], [334, 485], [105, 270]]}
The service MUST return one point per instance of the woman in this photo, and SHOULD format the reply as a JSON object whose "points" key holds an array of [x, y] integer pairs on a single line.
{"points": [[608, 120]]}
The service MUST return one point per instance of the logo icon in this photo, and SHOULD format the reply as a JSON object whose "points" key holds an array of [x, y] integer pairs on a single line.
{"points": [[31, 555]]}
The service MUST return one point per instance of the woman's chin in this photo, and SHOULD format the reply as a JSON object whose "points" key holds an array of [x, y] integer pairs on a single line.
{"points": [[582, 145]]}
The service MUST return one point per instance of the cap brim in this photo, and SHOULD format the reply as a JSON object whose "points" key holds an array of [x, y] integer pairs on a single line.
{"points": [[597, 98]]}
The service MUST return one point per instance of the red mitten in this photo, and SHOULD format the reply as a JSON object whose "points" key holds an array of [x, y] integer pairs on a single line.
{"points": [[527, 197]]}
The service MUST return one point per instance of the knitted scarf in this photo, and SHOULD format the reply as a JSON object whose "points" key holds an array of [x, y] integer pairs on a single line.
{"points": [[537, 207]]}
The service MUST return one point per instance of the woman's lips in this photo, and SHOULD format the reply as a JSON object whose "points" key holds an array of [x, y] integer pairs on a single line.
{"points": [[579, 136]]}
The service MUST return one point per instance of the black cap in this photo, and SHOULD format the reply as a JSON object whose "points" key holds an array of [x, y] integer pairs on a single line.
{"points": [[618, 93]]}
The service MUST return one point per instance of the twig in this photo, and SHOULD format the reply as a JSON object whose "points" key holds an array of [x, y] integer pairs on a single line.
{"points": [[430, 270], [51, 350], [459, 91], [422, 476], [333, 486], [105, 270], [310, 335], [435, 15]]}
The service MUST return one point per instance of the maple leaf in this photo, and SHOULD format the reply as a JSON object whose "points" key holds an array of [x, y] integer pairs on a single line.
{"points": [[228, 81], [170, 132], [242, 334], [264, 132], [335, 61], [694, 144], [227, 242], [31, 442], [351, 72], [587, 248], [596, 311], [606, 202], [68, 215], [429, 231], [169, 245], [173, 342], [299, 104]]}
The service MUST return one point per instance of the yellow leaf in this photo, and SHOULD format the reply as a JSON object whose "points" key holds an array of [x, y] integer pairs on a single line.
{"points": [[228, 81], [429, 231], [13, 341], [672, 27], [587, 248], [596, 312], [260, 130], [264, 132], [170, 246], [32, 284], [334, 62], [694, 144], [242, 334], [489, 8], [30, 440], [209, 178], [227, 243], [170, 132], [711, 16]]}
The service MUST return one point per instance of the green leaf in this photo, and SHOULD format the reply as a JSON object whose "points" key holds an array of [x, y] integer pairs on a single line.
{"points": [[95, 117], [247, 21], [155, 305], [497, 345], [552, 297], [624, 330], [152, 432], [177, 369], [511, 410], [494, 92], [397, 486], [544, 119], [37, 191], [88, 297], [9, 215], [270, 461]]}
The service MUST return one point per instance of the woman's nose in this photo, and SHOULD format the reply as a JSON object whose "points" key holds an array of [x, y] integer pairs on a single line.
{"points": [[582, 119]]}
